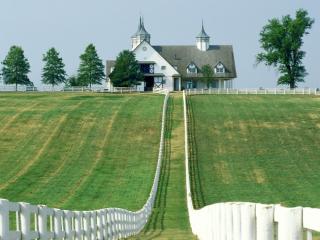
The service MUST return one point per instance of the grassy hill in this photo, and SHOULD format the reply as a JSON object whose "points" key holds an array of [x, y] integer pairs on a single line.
{"points": [[79, 151], [255, 148]]}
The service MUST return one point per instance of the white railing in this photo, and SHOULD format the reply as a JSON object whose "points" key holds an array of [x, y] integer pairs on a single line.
{"points": [[26, 221], [247, 221], [19, 88], [60, 88], [275, 91], [160, 90], [123, 90]]}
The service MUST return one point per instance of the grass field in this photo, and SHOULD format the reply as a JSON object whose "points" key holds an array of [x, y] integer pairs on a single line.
{"points": [[79, 151], [255, 148]]}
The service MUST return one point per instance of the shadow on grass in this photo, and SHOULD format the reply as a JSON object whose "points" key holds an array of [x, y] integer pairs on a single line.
{"points": [[195, 180]]}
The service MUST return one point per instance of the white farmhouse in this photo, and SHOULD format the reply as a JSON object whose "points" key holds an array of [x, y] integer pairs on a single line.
{"points": [[179, 67]]}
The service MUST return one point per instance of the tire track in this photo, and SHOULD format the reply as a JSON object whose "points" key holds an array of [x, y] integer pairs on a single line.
{"points": [[30, 163], [96, 161]]}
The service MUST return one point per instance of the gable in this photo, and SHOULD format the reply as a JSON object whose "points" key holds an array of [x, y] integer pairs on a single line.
{"points": [[144, 52]]}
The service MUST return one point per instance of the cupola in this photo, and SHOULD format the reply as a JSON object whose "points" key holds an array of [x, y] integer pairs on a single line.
{"points": [[203, 40], [141, 35]]}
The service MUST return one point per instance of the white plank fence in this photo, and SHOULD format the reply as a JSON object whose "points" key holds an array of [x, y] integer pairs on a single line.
{"points": [[26, 221], [275, 91], [247, 221]]}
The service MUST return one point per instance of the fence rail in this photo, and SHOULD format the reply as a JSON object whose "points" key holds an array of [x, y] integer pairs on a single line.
{"points": [[275, 91], [26, 221], [247, 221], [47, 88]]}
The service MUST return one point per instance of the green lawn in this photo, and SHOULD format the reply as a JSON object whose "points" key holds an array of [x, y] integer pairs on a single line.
{"points": [[79, 151], [255, 148]]}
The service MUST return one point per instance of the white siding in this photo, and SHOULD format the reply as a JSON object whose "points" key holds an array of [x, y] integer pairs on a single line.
{"points": [[145, 52]]}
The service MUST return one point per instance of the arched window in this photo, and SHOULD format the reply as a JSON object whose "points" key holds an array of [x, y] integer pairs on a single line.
{"points": [[219, 68], [192, 68]]}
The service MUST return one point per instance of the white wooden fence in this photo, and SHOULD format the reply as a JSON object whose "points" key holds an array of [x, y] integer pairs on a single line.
{"points": [[275, 91], [26, 221], [60, 88], [247, 221]]}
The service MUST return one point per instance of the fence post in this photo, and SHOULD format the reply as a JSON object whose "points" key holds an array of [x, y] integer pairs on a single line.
{"points": [[86, 224], [311, 221], [26, 211], [68, 223], [78, 225], [236, 217], [309, 235], [44, 212], [58, 224], [4, 219], [248, 221], [264, 215], [100, 225], [289, 223], [229, 222]]}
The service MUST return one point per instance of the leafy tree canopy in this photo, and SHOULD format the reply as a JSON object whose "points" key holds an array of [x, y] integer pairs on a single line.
{"points": [[207, 72], [74, 81], [53, 71], [91, 69], [16, 67], [126, 71], [281, 41]]}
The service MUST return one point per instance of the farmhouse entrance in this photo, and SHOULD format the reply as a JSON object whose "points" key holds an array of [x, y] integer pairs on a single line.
{"points": [[149, 83]]}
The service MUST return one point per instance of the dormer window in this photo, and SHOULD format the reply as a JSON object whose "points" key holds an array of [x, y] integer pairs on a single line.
{"points": [[192, 68], [219, 68]]}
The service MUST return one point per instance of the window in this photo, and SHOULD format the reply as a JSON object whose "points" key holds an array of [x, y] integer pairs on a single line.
{"points": [[191, 84], [163, 67], [219, 68], [151, 69], [147, 68], [192, 68]]}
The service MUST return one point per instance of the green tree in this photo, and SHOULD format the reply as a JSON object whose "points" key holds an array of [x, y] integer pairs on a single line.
{"points": [[281, 41], [126, 71], [74, 81], [91, 69], [53, 71], [16, 68], [207, 74]]}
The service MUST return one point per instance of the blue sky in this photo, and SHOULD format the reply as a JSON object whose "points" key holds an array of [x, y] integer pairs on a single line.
{"points": [[70, 25]]}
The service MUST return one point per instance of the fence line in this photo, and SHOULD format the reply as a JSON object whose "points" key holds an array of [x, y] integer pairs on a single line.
{"points": [[275, 91], [59, 88], [247, 221], [26, 221]]}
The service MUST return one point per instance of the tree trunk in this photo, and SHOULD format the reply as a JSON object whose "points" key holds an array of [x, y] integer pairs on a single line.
{"points": [[292, 85]]}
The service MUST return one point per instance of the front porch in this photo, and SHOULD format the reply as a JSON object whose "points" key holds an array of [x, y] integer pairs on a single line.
{"points": [[200, 84]]}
